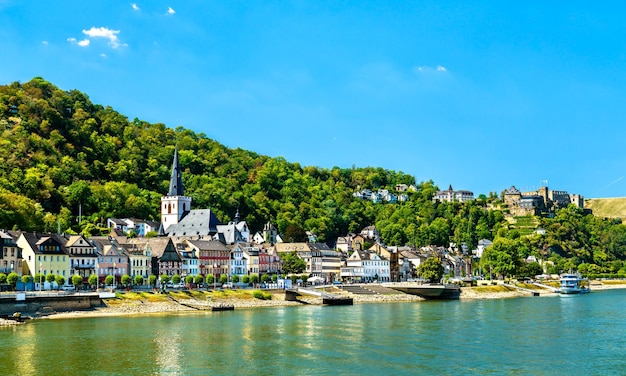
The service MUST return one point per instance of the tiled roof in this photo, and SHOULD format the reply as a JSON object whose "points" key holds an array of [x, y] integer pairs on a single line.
{"points": [[199, 222]]}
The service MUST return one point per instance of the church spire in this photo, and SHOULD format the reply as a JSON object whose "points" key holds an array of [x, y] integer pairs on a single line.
{"points": [[176, 180]]}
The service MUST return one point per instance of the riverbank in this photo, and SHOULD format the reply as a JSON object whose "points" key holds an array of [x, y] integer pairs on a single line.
{"points": [[133, 303]]}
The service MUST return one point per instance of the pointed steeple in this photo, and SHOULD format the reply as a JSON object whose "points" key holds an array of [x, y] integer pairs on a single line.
{"points": [[176, 180], [237, 216]]}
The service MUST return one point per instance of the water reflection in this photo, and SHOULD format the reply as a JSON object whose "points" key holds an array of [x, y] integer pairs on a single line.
{"points": [[167, 343], [512, 336]]}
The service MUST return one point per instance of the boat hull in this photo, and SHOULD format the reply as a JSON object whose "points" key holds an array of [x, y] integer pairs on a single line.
{"points": [[574, 291]]}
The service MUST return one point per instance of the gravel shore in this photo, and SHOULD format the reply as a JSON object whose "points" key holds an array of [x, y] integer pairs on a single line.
{"points": [[119, 307]]}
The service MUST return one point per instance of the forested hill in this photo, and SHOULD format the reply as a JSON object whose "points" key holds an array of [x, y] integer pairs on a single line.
{"points": [[59, 150]]}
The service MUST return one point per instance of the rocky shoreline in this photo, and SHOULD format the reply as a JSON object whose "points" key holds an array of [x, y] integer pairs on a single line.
{"points": [[121, 307]]}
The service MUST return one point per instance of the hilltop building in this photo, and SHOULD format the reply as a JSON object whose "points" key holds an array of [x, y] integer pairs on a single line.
{"points": [[451, 195], [543, 200]]}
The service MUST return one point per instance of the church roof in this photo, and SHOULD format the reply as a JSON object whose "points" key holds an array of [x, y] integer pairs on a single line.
{"points": [[198, 222]]}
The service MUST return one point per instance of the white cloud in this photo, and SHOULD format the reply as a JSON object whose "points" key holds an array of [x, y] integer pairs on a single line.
{"points": [[44, 42], [170, 11], [103, 32], [135, 7], [426, 69], [82, 43], [103, 55]]}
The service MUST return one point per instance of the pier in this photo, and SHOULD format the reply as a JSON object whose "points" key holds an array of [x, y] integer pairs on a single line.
{"points": [[327, 298]]}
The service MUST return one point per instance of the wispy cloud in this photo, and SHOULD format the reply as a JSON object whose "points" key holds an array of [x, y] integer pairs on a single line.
{"points": [[615, 182], [82, 43], [135, 7], [106, 33], [44, 42], [170, 11], [424, 69]]}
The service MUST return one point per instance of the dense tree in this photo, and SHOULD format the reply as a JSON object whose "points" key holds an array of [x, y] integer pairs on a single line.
{"points": [[126, 280], [292, 263], [77, 280], [12, 279], [92, 280], [431, 270]]}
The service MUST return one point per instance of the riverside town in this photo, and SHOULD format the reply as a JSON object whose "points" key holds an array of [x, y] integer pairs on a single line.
{"points": [[190, 249]]}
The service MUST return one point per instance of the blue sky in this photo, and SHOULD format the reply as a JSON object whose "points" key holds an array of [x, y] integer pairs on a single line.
{"points": [[480, 95]]}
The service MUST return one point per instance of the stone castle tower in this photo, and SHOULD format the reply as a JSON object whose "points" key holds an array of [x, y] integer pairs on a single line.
{"points": [[175, 205]]}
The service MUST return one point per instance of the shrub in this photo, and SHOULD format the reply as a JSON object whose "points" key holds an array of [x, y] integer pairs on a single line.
{"points": [[92, 280], [126, 280], [262, 295], [12, 278], [77, 280]]}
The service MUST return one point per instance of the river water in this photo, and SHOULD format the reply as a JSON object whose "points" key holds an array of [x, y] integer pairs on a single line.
{"points": [[577, 335]]}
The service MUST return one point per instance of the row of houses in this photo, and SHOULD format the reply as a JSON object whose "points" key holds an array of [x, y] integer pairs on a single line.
{"points": [[382, 195], [28, 253]]}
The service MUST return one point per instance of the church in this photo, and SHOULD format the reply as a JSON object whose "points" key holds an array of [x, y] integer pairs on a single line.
{"points": [[180, 222]]}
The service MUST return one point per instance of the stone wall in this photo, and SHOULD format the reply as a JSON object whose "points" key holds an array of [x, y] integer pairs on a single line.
{"points": [[41, 305]]}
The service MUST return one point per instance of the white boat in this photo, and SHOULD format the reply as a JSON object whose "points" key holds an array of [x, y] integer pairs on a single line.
{"points": [[573, 284]]}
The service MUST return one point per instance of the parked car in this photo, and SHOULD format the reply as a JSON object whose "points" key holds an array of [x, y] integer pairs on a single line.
{"points": [[180, 285], [227, 285]]}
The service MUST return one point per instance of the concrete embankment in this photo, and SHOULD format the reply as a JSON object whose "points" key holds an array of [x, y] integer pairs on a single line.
{"points": [[37, 304]]}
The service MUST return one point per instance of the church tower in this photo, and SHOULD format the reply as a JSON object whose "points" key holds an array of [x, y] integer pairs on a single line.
{"points": [[175, 205]]}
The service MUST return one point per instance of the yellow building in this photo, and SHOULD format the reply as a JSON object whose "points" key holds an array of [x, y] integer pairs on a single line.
{"points": [[45, 254]]}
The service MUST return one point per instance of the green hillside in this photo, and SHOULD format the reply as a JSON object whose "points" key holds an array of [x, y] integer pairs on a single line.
{"points": [[59, 151], [607, 207]]}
